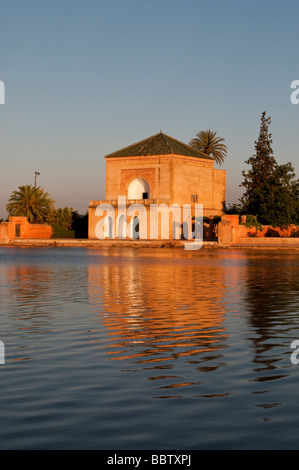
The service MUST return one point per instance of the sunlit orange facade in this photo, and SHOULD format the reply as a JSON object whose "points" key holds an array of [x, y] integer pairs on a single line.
{"points": [[19, 227], [161, 170]]}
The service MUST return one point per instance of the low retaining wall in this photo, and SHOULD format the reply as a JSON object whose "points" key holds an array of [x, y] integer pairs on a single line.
{"points": [[231, 233], [246, 243], [267, 242], [103, 243], [19, 228]]}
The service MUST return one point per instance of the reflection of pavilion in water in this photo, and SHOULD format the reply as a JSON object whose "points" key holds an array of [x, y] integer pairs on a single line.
{"points": [[159, 309]]}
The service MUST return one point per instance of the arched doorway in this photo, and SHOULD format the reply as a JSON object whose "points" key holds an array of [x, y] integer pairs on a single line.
{"points": [[139, 189], [136, 228]]}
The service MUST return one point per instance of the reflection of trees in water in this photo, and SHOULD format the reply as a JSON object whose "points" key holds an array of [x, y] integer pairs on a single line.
{"points": [[35, 295], [160, 309], [25, 296], [28, 289], [40, 300], [272, 286]]}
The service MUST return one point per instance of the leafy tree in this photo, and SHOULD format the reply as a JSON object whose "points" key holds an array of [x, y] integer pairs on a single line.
{"points": [[80, 224], [210, 145], [295, 187], [66, 220], [280, 205], [62, 218], [233, 209], [33, 203]]}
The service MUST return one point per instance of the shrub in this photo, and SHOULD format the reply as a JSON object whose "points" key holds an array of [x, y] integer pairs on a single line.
{"points": [[60, 232], [251, 221]]}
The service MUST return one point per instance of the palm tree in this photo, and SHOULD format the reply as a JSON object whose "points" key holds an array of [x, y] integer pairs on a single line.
{"points": [[210, 145], [30, 202]]}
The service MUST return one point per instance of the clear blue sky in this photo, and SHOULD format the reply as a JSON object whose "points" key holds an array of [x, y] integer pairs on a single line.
{"points": [[85, 78]]}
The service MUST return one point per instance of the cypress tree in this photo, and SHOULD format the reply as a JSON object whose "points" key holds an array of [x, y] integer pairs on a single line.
{"points": [[272, 190], [263, 166]]}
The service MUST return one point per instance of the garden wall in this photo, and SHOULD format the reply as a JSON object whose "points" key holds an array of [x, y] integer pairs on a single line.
{"points": [[19, 227], [230, 231]]}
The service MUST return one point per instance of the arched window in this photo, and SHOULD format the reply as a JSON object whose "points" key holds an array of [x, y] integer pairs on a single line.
{"points": [[139, 189]]}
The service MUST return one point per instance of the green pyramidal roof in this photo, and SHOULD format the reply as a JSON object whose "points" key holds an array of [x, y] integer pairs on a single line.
{"points": [[159, 144]]}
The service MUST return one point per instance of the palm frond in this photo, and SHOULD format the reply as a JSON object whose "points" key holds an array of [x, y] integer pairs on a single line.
{"points": [[210, 145]]}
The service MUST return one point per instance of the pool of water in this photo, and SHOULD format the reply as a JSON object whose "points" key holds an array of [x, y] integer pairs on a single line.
{"points": [[148, 349]]}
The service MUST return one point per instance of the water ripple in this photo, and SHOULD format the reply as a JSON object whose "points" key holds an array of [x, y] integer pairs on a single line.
{"points": [[103, 344]]}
